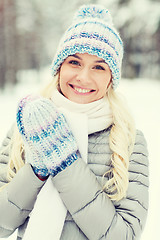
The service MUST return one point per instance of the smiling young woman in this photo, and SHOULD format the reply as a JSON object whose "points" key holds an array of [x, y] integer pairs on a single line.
{"points": [[74, 159], [84, 78]]}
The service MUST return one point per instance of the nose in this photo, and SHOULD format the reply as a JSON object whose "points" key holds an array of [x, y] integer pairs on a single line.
{"points": [[83, 76]]}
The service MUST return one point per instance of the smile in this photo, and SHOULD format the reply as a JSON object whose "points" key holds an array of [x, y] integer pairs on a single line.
{"points": [[81, 90]]}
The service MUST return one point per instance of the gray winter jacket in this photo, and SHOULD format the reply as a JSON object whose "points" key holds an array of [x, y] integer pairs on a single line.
{"points": [[91, 214]]}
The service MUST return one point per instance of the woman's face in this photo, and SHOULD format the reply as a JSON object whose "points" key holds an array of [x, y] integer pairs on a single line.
{"points": [[84, 78]]}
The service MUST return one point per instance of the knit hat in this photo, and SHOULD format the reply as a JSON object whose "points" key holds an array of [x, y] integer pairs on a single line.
{"points": [[92, 32]]}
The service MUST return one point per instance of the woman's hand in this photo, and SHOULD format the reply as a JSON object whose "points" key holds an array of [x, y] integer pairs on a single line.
{"points": [[48, 140], [32, 156]]}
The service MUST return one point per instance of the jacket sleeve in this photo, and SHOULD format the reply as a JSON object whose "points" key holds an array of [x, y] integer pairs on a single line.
{"points": [[17, 198], [94, 213]]}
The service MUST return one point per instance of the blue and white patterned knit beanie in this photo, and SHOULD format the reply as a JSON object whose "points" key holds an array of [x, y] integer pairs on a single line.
{"points": [[92, 32]]}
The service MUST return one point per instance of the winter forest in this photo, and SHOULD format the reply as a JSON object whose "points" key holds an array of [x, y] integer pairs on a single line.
{"points": [[29, 35], [30, 30]]}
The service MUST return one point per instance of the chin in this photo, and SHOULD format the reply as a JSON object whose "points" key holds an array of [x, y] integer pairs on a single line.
{"points": [[79, 100]]}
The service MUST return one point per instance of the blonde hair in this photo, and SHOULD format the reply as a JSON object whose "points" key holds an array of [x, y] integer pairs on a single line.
{"points": [[121, 141]]}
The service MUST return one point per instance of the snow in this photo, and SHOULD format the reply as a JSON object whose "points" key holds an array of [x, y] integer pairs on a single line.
{"points": [[143, 97]]}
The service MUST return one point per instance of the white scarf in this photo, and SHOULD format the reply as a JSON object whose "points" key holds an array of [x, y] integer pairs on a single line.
{"points": [[48, 215]]}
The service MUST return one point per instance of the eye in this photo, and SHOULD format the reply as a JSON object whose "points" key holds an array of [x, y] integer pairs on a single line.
{"points": [[99, 67], [74, 62]]}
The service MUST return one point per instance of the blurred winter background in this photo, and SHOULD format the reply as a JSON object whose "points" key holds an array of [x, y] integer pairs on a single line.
{"points": [[29, 34]]}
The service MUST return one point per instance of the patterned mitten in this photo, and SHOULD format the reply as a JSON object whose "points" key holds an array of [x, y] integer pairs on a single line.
{"points": [[32, 156], [47, 135]]}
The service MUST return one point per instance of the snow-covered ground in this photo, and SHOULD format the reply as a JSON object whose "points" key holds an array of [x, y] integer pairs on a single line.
{"points": [[143, 97]]}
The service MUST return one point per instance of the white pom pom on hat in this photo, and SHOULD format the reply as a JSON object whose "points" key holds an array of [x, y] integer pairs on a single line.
{"points": [[93, 11]]}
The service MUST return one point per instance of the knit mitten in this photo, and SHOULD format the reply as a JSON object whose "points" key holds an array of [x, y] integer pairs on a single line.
{"points": [[47, 135], [32, 156]]}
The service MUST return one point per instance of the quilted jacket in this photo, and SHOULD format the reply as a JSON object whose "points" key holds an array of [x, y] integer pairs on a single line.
{"points": [[91, 214]]}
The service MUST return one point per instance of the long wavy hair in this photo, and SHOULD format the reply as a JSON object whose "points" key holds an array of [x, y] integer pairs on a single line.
{"points": [[121, 142]]}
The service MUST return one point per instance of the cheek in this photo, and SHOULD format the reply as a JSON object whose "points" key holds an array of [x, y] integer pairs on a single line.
{"points": [[65, 74], [103, 91], [62, 84], [63, 78], [103, 85], [107, 81]]}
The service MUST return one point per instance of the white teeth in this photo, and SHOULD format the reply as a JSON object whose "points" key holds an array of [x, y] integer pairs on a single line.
{"points": [[80, 90]]}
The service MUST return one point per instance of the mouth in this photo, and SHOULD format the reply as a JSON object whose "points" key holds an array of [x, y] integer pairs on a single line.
{"points": [[81, 90]]}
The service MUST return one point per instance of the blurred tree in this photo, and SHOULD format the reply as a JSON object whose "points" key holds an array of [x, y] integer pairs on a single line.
{"points": [[8, 59], [138, 22], [2, 55], [21, 38], [30, 21]]}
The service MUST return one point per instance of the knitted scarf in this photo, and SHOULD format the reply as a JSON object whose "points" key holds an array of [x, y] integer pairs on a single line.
{"points": [[48, 215]]}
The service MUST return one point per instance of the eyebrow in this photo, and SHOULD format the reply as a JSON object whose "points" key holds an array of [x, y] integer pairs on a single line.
{"points": [[74, 55], [98, 61]]}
